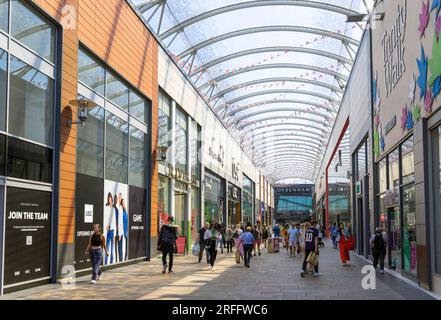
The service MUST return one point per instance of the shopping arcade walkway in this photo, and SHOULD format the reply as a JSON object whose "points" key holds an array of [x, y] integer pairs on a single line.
{"points": [[271, 277]]}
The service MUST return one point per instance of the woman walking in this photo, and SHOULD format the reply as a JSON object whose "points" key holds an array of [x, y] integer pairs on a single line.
{"points": [[229, 238], [97, 243], [237, 244], [213, 237], [343, 243]]}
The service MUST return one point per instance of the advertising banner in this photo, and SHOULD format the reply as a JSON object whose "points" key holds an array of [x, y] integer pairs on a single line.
{"points": [[27, 235], [116, 221], [89, 207], [138, 218]]}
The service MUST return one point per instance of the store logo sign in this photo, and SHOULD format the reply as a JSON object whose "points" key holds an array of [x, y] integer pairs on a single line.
{"points": [[88, 213], [393, 50], [235, 170], [219, 157], [391, 124]]}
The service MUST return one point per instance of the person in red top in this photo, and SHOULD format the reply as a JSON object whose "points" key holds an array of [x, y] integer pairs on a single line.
{"points": [[343, 239]]}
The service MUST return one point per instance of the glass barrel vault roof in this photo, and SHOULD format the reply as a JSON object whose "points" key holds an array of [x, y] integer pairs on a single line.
{"points": [[273, 70]]}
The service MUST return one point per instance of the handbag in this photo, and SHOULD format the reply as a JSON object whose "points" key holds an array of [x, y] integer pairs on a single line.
{"points": [[196, 248], [312, 259]]}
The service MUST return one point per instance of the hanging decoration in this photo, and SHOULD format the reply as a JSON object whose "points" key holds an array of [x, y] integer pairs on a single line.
{"points": [[404, 117], [412, 88], [417, 112], [422, 67], [438, 28], [436, 4], [424, 19]]}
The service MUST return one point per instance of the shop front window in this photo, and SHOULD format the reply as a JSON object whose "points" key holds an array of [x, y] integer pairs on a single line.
{"points": [[436, 160], [180, 143], [408, 161], [2, 154], [31, 103], [247, 200], [138, 161], [163, 200], [195, 213], [214, 198], [3, 80], [234, 205], [4, 15], [117, 142], [409, 230], [180, 194], [116, 91], [29, 161], [90, 145], [31, 30], [394, 173], [91, 72]]}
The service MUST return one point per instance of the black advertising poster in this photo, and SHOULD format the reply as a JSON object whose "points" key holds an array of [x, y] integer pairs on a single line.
{"points": [[137, 225], [89, 207], [27, 235]]}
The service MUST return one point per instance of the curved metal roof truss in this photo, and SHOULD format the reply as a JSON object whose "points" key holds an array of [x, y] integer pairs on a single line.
{"points": [[281, 117]]}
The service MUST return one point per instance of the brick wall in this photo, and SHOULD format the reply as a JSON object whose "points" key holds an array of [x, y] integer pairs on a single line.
{"points": [[113, 31]]}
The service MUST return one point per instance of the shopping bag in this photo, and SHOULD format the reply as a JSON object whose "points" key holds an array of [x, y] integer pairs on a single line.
{"points": [[312, 259], [237, 256], [196, 249]]}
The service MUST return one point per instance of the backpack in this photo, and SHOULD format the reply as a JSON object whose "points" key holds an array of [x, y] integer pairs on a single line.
{"points": [[379, 243], [168, 236], [265, 233]]}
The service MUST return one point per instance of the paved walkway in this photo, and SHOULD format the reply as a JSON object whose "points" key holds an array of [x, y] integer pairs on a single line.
{"points": [[271, 276]]}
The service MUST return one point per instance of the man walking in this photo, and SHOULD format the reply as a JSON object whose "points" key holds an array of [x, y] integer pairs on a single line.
{"points": [[293, 237], [248, 242], [167, 243], [378, 245], [311, 245], [202, 245]]}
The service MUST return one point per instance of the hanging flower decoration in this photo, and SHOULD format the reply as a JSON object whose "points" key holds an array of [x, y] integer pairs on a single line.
{"points": [[412, 87], [422, 67], [438, 27], [436, 4], [424, 19], [417, 113], [403, 117], [436, 89], [409, 122]]}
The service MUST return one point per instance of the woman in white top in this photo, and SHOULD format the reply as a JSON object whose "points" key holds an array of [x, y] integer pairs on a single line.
{"points": [[212, 239]]}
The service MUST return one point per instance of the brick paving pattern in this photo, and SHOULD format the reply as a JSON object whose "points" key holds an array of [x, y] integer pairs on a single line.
{"points": [[272, 276]]}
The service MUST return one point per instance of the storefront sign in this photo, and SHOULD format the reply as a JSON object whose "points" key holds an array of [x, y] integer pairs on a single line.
{"points": [[137, 222], [393, 50], [391, 124], [88, 213], [358, 188], [89, 193], [235, 170], [27, 235], [219, 157], [178, 174]]}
